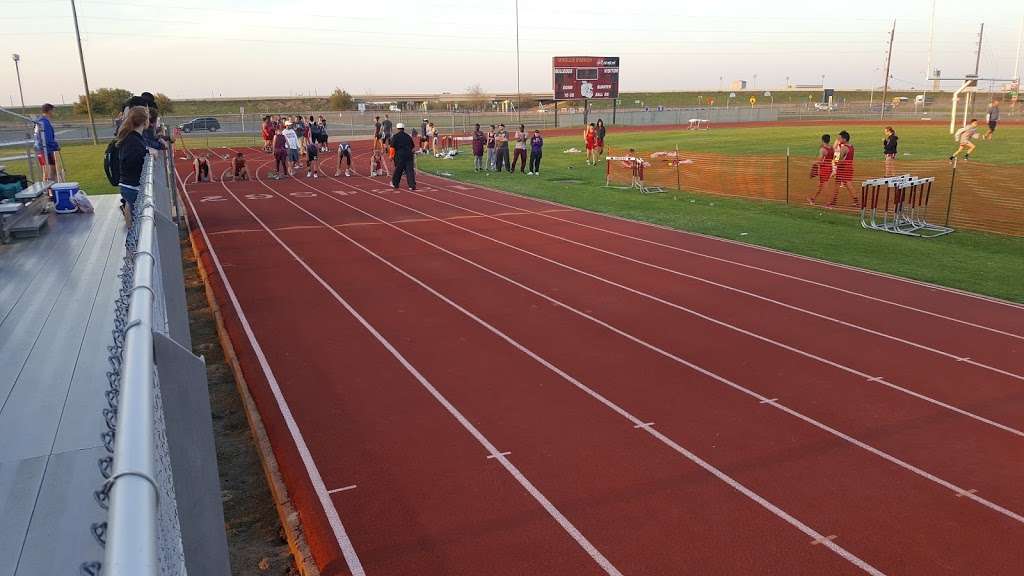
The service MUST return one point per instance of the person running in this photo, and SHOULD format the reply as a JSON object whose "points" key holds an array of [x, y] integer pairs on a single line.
{"points": [[843, 170], [344, 153], [963, 138], [520, 150], [889, 146], [405, 160], [501, 146], [536, 151], [46, 143], [479, 140], [280, 154], [601, 131], [490, 148], [292, 140], [992, 117], [822, 167], [590, 140], [241, 170]]}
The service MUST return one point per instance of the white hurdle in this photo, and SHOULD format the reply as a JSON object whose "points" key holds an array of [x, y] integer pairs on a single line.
{"points": [[905, 209]]}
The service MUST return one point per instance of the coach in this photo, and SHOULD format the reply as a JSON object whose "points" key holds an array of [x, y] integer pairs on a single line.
{"points": [[404, 162]]}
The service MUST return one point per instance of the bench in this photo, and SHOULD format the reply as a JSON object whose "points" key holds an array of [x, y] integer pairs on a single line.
{"points": [[699, 124], [27, 214]]}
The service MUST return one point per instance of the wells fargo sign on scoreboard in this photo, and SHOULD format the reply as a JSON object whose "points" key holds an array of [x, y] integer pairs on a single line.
{"points": [[585, 77]]}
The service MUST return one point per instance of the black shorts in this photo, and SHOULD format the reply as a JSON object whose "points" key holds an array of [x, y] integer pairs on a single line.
{"points": [[992, 125]]}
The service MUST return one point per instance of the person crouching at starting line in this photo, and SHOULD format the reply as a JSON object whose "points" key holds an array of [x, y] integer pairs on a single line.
{"points": [[202, 167], [312, 159], [377, 165], [241, 170], [344, 153]]}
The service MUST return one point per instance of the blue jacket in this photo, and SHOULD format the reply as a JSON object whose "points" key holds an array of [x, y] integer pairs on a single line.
{"points": [[46, 136]]}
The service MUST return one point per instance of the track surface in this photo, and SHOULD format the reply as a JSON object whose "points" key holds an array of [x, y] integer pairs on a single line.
{"points": [[463, 381]]}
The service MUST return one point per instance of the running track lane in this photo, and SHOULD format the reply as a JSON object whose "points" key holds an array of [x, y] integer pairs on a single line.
{"points": [[576, 489], [489, 293]]}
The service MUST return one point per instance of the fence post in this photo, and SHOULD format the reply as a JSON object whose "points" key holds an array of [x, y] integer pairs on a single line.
{"points": [[787, 174], [679, 184], [952, 186]]}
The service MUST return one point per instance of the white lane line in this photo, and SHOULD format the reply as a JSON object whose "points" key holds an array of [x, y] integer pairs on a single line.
{"points": [[967, 493], [828, 538], [333, 519], [876, 379], [644, 425], [638, 423], [744, 245], [500, 454], [784, 346], [236, 231], [343, 489], [557, 515], [816, 423], [768, 401], [730, 288]]}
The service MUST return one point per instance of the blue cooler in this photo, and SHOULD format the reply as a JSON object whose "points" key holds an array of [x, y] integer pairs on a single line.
{"points": [[62, 194]]}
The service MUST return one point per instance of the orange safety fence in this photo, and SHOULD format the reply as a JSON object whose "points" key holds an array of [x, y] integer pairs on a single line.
{"points": [[985, 197]]}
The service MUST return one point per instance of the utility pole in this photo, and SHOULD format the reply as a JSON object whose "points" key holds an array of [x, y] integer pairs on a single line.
{"points": [[85, 78], [519, 107], [931, 47], [17, 70], [888, 64], [977, 68]]}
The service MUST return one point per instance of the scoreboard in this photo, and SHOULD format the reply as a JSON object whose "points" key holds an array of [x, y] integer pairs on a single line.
{"points": [[585, 77]]}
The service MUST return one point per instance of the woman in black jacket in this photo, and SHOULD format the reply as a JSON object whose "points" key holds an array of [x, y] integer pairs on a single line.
{"points": [[889, 148], [131, 154]]}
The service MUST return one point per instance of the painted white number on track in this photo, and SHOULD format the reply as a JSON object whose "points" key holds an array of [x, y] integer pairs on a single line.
{"points": [[212, 199], [259, 196], [303, 194]]}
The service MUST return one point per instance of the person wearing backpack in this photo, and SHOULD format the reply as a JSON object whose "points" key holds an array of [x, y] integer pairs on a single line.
{"points": [[131, 156]]}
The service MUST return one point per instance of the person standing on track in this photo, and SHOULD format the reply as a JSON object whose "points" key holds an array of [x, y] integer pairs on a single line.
{"points": [[385, 131], [267, 131], [992, 117], [520, 150], [536, 150], [312, 163], [889, 146], [479, 140], [292, 141], [405, 159], [376, 129], [280, 154]]}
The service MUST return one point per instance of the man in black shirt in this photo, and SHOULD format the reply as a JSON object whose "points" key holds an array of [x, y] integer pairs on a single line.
{"points": [[404, 161]]}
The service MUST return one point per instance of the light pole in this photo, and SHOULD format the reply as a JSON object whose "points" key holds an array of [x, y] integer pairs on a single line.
{"points": [[519, 103], [17, 70], [85, 79]]}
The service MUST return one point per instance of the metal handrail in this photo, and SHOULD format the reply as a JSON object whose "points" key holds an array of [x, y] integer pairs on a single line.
{"points": [[131, 536]]}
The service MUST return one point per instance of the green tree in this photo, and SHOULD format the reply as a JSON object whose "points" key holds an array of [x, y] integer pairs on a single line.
{"points": [[340, 100], [105, 101], [164, 103]]}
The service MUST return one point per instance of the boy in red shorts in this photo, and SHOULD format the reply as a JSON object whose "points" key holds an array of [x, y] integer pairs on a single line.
{"points": [[843, 161], [822, 167]]}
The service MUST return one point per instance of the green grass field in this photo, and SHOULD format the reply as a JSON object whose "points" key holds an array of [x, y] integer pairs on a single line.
{"points": [[984, 263]]}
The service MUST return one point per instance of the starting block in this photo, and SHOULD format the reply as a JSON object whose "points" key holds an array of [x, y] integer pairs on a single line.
{"points": [[905, 209]]}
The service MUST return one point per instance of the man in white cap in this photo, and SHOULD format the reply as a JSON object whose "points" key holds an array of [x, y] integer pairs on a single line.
{"points": [[404, 159]]}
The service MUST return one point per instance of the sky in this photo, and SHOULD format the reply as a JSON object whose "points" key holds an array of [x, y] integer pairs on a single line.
{"points": [[215, 48]]}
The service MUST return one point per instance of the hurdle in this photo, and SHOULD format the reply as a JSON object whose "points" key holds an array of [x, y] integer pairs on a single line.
{"points": [[636, 166], [699, 124], [906, 206]]}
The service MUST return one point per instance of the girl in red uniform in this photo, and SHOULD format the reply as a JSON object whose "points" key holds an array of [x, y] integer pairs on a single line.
{"points": [[590, 138], [823, 166]]}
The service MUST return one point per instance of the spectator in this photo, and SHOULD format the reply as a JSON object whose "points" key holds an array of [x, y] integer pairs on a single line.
{"points": [[131, 154], [501, 144], [536, 150], [150, 133], [405, 162], [490, 148], [423, 135], [479, 140], [601, 131], [46, 143], [520, 150]]}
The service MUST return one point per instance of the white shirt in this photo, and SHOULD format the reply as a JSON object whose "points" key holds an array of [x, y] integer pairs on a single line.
{"points": [[291, 139]]}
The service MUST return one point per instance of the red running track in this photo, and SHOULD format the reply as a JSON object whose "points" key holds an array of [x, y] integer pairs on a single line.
{"points": [[464, 381]]}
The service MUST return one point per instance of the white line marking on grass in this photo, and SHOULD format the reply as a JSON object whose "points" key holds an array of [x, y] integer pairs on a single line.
{"points": [[816, 423], [333, 519], [564, 522], [778, 512]]}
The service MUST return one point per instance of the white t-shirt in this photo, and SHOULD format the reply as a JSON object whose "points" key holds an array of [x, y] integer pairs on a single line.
{"points": [[291, 139]]}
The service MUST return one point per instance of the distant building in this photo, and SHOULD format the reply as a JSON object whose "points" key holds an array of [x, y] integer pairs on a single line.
{"points": [[738, 85]]}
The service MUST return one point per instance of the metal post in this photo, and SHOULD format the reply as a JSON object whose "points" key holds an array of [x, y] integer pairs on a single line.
{"points": [[888, 64], [85, 78], [679, 181], [787, 174], [556, 113], [952, 181]]}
